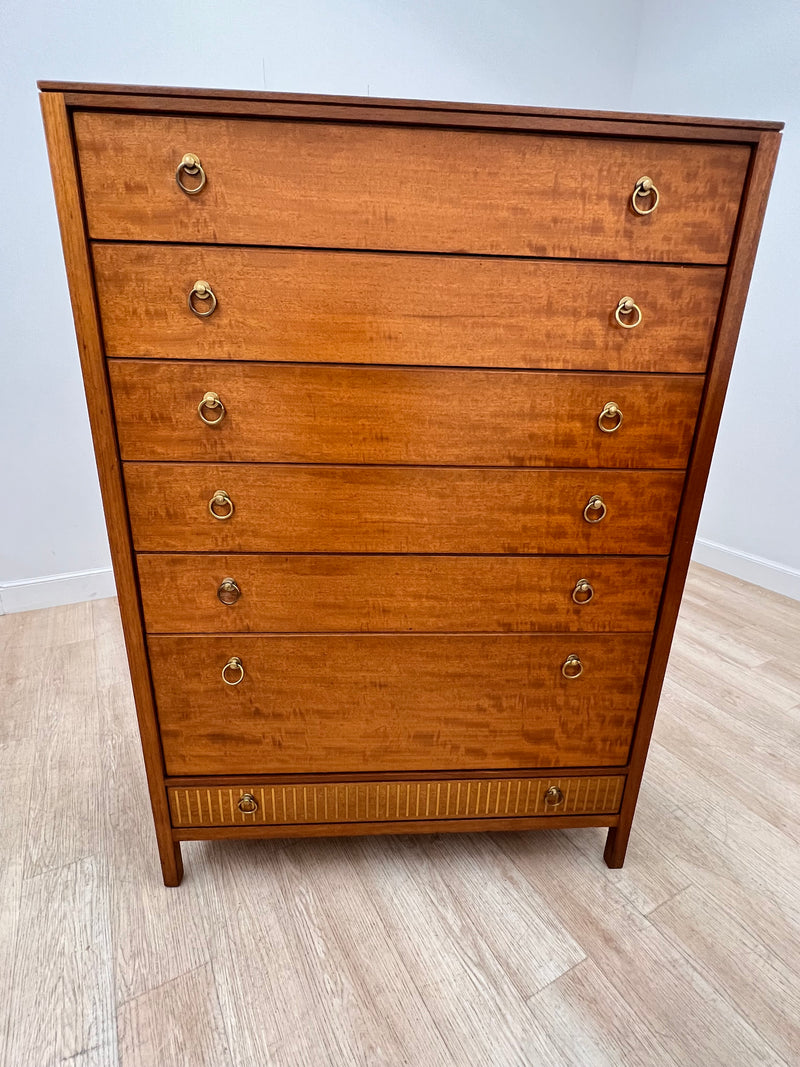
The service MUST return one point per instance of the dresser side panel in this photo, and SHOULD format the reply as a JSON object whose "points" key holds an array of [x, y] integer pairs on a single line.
{"points": [[751, 217], [66, 188]]}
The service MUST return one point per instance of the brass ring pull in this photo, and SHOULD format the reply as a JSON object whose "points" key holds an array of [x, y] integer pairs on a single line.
{"points": [[220, 499], [213, 403], [228, 592], [191, 166], [595, 510], [644, 188], [247, 804], [609, 419], [572, 666], [553, 796], [202, 291], [583, 591], [626, 306], [233, 664]]}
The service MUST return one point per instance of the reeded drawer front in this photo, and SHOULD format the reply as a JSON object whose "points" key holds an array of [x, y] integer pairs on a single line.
{"points": [[343, 185], [188, 593], [324, 414], [393, 801], [399, 509], [361, 307], [394, 702]]}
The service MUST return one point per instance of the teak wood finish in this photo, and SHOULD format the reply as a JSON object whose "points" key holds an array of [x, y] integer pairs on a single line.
{"points": [[282, 413], [346, 307], [399, 509], [215, 805], [411, 189], [481, 701], [411, 390], [403, 593]]}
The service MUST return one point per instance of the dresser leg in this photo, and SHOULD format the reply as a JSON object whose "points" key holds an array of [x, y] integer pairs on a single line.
{"points": [[171, 863], [617, 845]]}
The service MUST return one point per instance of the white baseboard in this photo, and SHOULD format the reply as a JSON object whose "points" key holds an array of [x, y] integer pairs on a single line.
{"points": [[55, 589], [764, 572]]}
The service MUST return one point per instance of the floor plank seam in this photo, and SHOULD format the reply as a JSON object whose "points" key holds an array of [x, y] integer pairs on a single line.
{"points": [[533, 996], [668, 900], [127, 1001], [611, 976]]}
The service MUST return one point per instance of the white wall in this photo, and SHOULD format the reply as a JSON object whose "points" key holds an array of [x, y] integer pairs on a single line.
{"points": [[716, 58], [742, 59], [574, 54]]}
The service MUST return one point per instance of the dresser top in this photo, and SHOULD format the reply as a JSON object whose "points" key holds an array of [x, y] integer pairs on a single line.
{"points": [[240, 96]]}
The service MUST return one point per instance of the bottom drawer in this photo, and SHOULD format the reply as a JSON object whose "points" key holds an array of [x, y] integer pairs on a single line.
{"points": [[393, 801]]}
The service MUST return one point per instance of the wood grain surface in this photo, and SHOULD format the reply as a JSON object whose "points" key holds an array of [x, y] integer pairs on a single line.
{"points": [[66, 188], [64, 932], [400, 415], [338, 185], [399, 509], [418, 209], [481, 825], [190, 1002], [395, 702], [428, 114], [318, 593], [362, 307], [742, 260], [194, 781], [482, 112], [212, 804]]}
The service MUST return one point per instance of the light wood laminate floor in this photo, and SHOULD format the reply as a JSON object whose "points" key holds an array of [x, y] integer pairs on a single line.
{"points": [[450, 950]]}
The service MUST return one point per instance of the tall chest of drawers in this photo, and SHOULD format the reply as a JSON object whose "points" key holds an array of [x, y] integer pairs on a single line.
{"points": [[403, 413]]}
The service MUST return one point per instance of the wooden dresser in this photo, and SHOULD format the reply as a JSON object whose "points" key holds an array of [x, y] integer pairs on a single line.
{"points": [[403, 413]]}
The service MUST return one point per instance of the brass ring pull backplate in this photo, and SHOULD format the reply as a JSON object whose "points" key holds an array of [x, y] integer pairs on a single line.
{"points": [[553, 796], [202, 291], [228, 592], [610, 418], [595, 510], [212, 402], [221, 500], [583, 591], [233, 671], [572, 666], [191, 167], [644, 188], [628, 306], [247, 804]]}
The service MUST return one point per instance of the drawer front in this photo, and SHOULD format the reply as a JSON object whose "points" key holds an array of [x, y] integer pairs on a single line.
{"points": [[399, 509], [217, 804], [360, 307], [395, 702], [316, 414], [184, 593], [337, 185]]}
